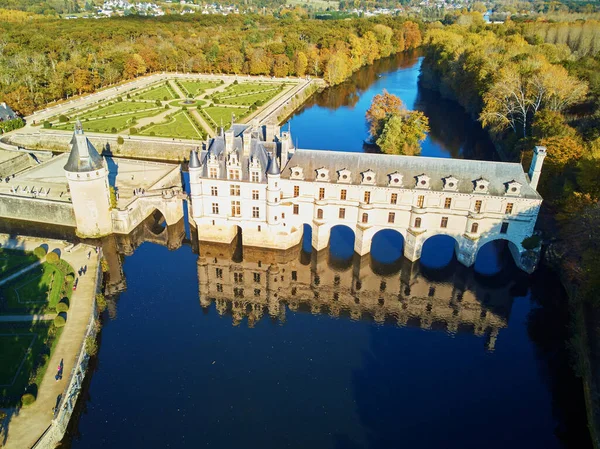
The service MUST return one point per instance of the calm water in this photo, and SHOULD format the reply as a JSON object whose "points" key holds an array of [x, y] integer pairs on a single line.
{"points": [[209, 347]]}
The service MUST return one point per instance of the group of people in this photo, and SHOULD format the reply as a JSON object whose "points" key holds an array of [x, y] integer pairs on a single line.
{"points": [[82, 270], [139, 191]]}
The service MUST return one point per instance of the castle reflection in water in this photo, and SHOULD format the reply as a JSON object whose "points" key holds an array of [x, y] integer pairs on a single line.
{"points": [[268, 283]]}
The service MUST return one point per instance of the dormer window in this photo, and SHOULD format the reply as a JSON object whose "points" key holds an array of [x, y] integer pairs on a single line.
{"points": [[422, 182], [233, 159], [296, 173], [481, 185], [322, 174], [450, 184], [368, 177], [344, 176], [395, 179], [513, 188]]}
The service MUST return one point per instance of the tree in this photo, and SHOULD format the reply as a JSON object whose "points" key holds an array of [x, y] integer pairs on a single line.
{"points": [[562, 150], [281, 66], [382, 105], [134, 66], [402, 133], [300, 64], [412, 35], [337, 68]]}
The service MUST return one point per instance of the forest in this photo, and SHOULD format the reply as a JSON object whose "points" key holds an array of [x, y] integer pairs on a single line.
{"points": [[56, 59]]}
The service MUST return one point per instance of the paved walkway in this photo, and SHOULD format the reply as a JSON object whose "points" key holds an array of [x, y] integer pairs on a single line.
{"points": [[20, 272], [26, 425]]}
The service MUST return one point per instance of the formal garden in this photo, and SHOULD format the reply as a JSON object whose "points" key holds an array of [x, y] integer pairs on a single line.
{"points": [[176, 108], [30, 287]]}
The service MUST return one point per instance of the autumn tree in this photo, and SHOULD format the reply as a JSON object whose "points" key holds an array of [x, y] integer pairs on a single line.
{"points": [[382, 106], [403, 133]]}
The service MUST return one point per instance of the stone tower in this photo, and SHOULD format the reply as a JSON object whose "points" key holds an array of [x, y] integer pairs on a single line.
{"points": [[88, 182], [535, 170], [273, 191]]}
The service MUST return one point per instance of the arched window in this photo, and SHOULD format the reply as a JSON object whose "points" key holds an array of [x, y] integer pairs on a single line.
{"points": [[365, 218], [417, 222], [320, 214], [474, 228]]}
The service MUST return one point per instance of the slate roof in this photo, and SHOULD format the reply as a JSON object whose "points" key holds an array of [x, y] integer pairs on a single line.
{"points": [[83, 156], [259, 150], [466, 171]]}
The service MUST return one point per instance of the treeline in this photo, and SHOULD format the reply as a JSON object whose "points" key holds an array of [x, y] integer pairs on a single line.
{"points": [[57, 59], [530, 94], [582, 37]]}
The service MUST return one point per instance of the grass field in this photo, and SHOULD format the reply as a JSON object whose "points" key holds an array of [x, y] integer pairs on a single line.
{"points": [[25, 349], [161, 93], [37, 290], [119, 107], [106, 125], [221, 115], [195, 88], [245, 88], [180, 126], [248, 100], [13, 260]]}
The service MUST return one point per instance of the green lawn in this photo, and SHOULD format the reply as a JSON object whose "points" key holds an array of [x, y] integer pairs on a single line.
{"points": [[180, 126], [244, 88], [222, 115], [119, 107], [37, 290], [195, 88], [13, 260], [248, 100], [106, 125], [157, 93], [25, 350]]}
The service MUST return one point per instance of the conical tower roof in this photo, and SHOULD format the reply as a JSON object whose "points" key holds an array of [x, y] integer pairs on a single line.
{"points": [[274, 166], [194, 161], [83, 157]]}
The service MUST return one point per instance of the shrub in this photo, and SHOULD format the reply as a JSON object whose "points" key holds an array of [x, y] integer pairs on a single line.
{"points": [[91, 345], [62, 307], [184, 108], [531, 242], [40, 252], [27, 399], [128, 96], [113, 130], [166, 106], [60, 321], [100, 302], [165, 98], [46, 124], [120, 99], [69, 277], [235, 82], [133, 130], [63, 118], [158, 103], [104, 265], [120, 140], [152, 133], [52, 258]]}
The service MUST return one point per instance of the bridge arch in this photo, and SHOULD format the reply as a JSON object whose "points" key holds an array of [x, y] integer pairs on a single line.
{"points": [[439, 250], [387, 246], [492, 256], [156, 223], [341, 246]]}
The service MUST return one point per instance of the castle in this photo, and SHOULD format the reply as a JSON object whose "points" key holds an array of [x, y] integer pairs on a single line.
{"points": [[252, 179]]}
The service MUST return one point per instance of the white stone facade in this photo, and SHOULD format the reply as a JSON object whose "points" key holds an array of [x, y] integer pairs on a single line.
{"points": [[472, 201]]}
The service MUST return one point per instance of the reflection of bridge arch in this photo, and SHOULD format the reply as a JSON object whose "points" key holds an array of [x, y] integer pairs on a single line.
{"points": [[156, 222], [341, 246]]}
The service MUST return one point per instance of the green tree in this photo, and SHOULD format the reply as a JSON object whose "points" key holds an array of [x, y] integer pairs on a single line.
{"points": [[403, 133], [382, 106]]}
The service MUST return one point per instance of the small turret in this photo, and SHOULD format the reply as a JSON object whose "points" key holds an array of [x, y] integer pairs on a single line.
{"points": [[194, 160], [273, 191], [274, 167], [535, 169]]}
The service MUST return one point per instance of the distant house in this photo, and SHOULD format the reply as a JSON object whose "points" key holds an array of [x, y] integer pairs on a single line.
{"points": [[6, 113]]}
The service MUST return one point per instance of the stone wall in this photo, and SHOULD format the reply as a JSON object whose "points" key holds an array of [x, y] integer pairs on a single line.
{"points": [[135, 147], [37, 209]]}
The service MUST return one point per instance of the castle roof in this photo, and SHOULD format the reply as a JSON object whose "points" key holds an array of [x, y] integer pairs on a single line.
{"points": [[83, 156], [194, 161], [499, 174], [274, 167]]}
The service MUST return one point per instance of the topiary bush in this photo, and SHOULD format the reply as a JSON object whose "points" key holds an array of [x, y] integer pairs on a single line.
{"points": [[46, 124], [120, 99], [60, 321], [133, 130], [63, 118], [40, 252], [27, 399], [52, 258], [113, 130], [69, 277], [62, 307], [120, 140]]}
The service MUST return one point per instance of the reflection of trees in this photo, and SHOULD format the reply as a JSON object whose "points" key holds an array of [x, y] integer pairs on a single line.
{"points": [[452, 128], [547, 326], [348, 93]]}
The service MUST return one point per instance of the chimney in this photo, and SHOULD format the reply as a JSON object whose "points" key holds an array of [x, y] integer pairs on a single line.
{"points": [[228, 136], [246, 141], [535, 169]]}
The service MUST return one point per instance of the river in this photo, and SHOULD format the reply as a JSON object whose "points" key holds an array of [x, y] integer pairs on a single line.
{"points": [[329, 350]]}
